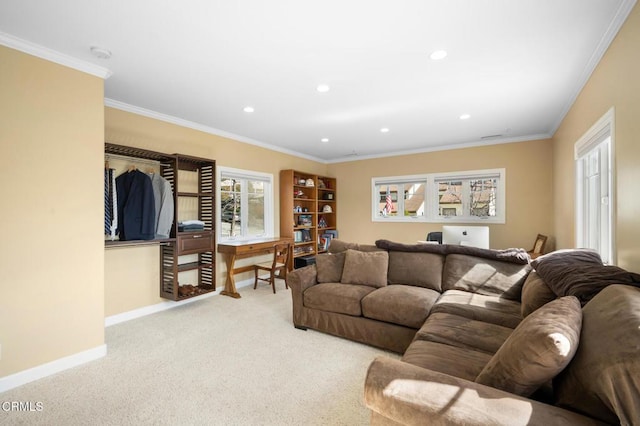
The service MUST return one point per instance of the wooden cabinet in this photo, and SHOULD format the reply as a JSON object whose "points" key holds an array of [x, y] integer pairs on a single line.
{"points": [[185, 254], [308, 211]]}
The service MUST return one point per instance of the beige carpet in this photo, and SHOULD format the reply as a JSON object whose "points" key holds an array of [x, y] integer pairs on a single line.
{"points": [[218, 361]]}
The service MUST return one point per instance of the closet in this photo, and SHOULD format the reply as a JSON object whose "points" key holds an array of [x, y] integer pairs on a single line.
{"points": [[190, 245]]}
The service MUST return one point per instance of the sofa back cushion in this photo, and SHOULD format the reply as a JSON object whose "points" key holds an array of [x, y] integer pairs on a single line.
{"points": [[417, 269], [365, 268], [329, 267], [535, 293], [338, 246], [537, 350], [603, 379], [484, 276]]}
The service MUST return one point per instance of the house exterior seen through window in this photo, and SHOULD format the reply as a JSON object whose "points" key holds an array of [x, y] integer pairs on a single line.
{"points": [[245, 204], [469, 196]]}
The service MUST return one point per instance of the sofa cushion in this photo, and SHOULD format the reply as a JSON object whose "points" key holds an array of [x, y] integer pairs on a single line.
{"points": [[484, 276], [491, 309], [458, 362], [462, 332], [535, 293], [338, 246], [365, 268], [419, 269], [537, 350], [329, 267], [336, 297], [580, 273], [400, 304], [603, 379]]}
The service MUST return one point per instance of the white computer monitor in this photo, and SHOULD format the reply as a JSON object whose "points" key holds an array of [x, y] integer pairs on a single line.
{"points": [[475, 236]]}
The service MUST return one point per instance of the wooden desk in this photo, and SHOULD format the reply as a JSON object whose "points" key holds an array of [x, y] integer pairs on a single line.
{"points": [[233, 250]]}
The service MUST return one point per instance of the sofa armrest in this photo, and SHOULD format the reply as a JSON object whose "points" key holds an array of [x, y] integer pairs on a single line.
{"points": [[411, 395], [299, 280]]}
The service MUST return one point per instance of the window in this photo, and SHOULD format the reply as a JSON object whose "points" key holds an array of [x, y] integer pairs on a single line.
{"points": [[594, 188], [471, 196], [246, 204]]}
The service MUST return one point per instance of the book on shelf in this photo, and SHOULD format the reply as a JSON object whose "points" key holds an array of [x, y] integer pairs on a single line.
{"points": [[324, 240]]}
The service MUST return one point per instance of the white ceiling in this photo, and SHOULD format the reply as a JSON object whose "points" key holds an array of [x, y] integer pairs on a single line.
{"points": [[515, 66]]}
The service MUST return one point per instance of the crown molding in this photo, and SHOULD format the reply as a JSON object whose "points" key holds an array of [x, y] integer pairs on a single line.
{"points": [[53, 56], [201, 127], [472, 144], [607, 38]]}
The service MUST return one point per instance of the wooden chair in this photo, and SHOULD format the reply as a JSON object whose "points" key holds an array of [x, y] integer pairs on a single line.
{"points": [[277, 268], [538, 246]]}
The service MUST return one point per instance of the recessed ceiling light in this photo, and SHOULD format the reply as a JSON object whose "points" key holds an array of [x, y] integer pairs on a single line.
{"points": [[99, 52], [384, 130], [322, 88], [324, 140], [438, 54], [465, 117], [248, 109]]}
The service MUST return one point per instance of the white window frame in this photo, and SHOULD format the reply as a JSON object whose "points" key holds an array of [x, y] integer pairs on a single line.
{"points": [[601, 136], [269, 214], [430, 182]]}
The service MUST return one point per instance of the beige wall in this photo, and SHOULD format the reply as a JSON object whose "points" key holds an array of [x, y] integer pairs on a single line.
{"points": [[614, 83], [131, 274], [528, 191], [51, 255]]}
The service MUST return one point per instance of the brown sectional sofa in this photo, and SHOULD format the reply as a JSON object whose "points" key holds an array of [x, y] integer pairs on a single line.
{"points": [[484, 340]]}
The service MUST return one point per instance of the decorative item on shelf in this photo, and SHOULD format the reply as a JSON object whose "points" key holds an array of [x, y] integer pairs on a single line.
{"points": [[321, 184], [328, 196], [297, 209], [304, 220], [332, 232], [322, 223], [327, 209], [309, 183], [300, 194], [306, 235], [302, 181]]}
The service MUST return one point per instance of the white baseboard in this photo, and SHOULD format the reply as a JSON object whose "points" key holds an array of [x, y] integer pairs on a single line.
{"points": [[53, 367], [163, 306]]}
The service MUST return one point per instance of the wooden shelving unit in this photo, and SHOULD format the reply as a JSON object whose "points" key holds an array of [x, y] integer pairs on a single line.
{"points": [[303, 215], [192, 179], [194, 192]]}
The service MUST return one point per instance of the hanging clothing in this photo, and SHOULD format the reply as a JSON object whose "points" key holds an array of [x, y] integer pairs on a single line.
{"points": [[136, 206], [110, 204], [108, 209], [163, 197]]}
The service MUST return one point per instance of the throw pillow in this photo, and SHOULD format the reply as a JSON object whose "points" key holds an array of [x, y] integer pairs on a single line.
{"points": [[580, 273], [537, 350], [535, 293], [366, 268], [329, 267]]}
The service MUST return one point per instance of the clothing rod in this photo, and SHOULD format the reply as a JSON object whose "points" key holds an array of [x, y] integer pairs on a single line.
{"points": [[133, 159], [141, 243]]}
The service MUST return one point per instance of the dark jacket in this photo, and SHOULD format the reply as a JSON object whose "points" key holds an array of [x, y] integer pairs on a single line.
{"points": [[136, 208]]}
